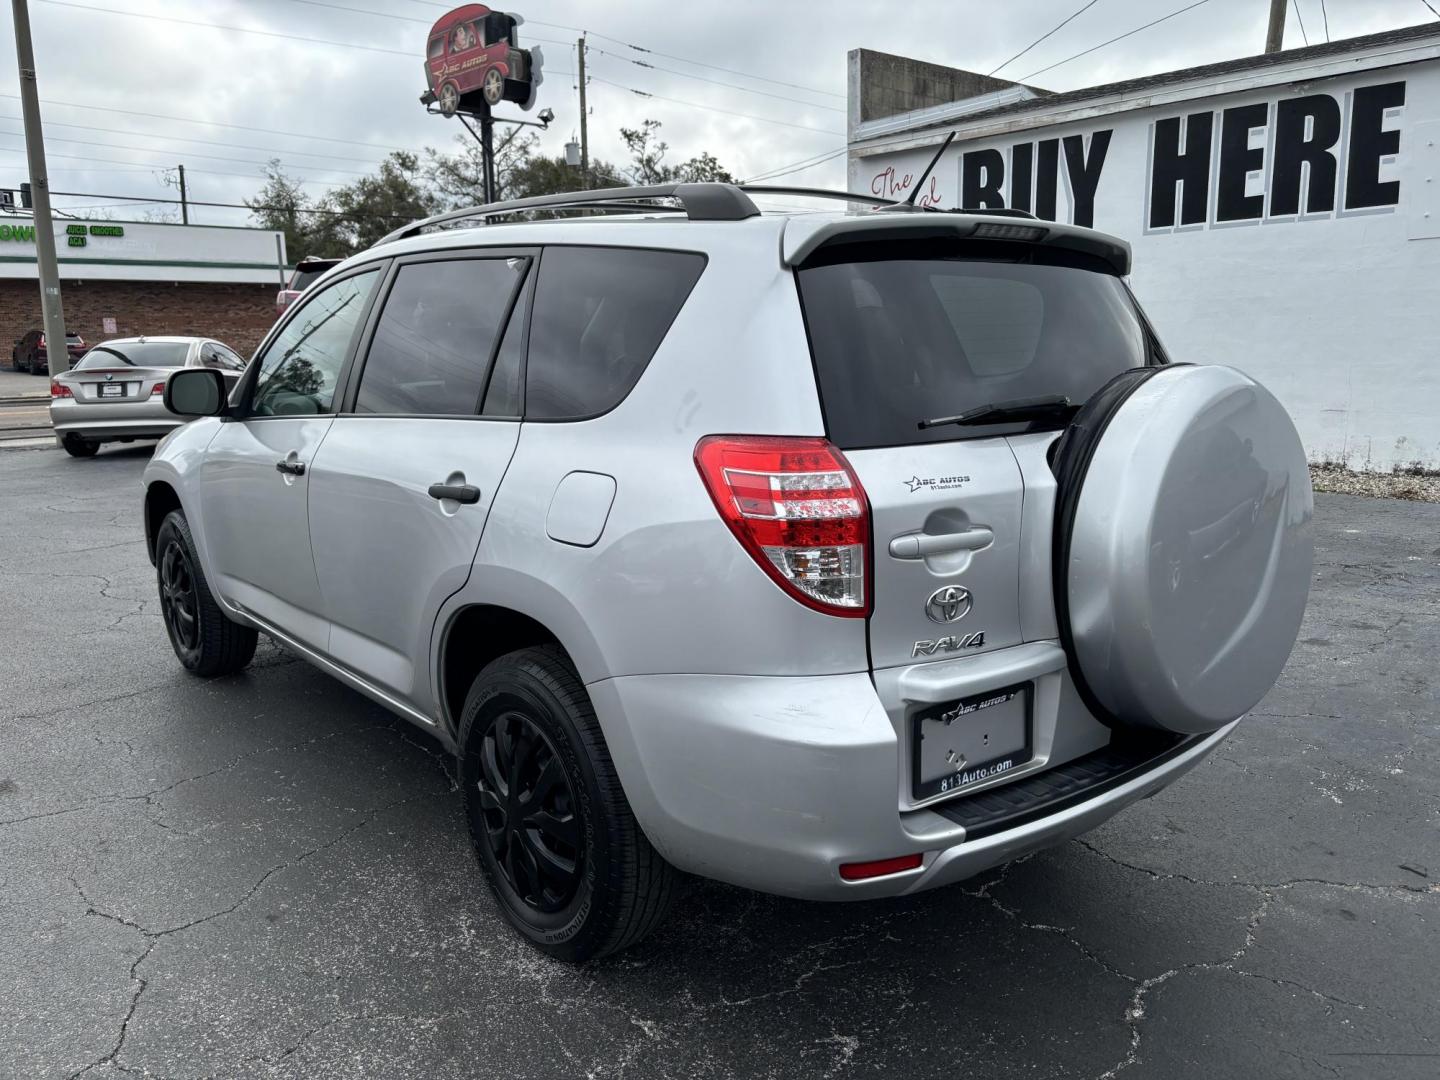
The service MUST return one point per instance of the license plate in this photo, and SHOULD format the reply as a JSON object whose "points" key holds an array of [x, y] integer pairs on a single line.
{"points": [[961, 743], [112, 389]]}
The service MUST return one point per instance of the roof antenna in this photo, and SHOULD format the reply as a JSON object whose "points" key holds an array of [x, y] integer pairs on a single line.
{"points": [[915, 191]]}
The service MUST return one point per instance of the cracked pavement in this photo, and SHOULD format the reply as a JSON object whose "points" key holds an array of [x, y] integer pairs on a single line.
{"points": [[268, 876]]}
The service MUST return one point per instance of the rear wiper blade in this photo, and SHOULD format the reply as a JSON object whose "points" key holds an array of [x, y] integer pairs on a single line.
{"points": [[1000, 412]]}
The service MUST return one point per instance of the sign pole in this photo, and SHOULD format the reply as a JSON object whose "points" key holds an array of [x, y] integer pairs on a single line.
{"points": [[487, 149], [45, 260]]}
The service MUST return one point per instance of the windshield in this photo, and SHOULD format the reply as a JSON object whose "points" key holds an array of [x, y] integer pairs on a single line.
{"points": [[136, 354], [934, 329]]}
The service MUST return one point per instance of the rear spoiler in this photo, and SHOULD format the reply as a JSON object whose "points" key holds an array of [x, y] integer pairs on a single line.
{"points": [[804, 236]]}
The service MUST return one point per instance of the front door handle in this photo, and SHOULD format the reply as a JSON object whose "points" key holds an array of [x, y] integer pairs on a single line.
{"points": [[290, 468], [461, 493], [920, 545]]}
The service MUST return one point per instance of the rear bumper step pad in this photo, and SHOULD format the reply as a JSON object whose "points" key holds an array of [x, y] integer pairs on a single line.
{"points": [[1128, 757]]}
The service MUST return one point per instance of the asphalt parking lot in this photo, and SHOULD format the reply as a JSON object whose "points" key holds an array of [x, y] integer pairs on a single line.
{"points": [[268, 876]]}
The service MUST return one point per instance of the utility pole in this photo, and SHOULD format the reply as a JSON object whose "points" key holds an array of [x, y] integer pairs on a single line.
{"points": [[184, 206], [584, 135], [1275, 35], [45, 261]]}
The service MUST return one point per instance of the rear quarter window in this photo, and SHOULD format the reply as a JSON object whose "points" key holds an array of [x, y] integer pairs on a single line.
{"points": [[599, 315], [914, 332]]}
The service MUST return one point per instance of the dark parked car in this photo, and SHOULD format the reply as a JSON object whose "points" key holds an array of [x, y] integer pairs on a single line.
{"points": [[30, 352]]}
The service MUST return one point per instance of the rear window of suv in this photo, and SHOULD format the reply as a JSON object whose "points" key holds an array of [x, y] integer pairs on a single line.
{"points": [[920, 331]]}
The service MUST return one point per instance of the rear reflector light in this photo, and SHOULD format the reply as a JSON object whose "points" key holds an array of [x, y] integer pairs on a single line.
{"points": [[158, 388], [860, 871], [797, 507], [58, 389]]}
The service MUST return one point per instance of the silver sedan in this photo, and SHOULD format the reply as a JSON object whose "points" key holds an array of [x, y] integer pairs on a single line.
{"points": [[115, 393]]}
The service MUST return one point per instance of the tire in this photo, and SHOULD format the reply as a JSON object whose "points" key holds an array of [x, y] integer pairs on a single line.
{"points": [[492, 89], [528, 723], [206, 642], [448, 100], [75, 446], [1183, 547]]}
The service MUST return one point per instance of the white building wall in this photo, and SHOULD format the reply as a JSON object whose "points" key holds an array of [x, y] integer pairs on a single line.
{"points": [[1337, 311], [145, 251]]}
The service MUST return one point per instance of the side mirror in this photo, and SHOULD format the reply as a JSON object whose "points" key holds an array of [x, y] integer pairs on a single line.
{"points": [[196, 392]]}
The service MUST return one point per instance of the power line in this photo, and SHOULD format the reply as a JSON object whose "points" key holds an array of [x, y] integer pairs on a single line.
{"points": [[1121, 37], [712, 108], [229, 206], [400, 18], [716, 67], [712, 82], [212, 123], [199, 142], [153, 167], [187, 154], [657, 52], [1431, 7], [602, 52], [1045, 35], [1326, 16], [796, 166], [1303, 36], [228, 29]]}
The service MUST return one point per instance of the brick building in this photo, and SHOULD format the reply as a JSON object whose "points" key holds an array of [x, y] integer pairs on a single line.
{"points": [[125, 278]]}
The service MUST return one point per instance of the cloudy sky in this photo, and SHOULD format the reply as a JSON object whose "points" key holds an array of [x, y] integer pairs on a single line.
{"points": [[131, 87]]}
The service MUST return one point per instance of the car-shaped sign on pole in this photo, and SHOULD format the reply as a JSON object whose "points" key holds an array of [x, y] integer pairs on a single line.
{"points": [[472, 58]]}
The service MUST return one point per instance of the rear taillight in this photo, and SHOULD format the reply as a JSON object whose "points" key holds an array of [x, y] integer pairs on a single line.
{"points": [[158, 388], [797, 507], [59, 389], [41, 342]]}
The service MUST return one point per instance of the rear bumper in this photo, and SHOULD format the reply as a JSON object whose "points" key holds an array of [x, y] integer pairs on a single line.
{"points": [[101, 421], [773, 783]]}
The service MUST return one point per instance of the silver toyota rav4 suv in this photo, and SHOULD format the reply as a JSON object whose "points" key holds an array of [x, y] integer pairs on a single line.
{"points": [[835, 554]]}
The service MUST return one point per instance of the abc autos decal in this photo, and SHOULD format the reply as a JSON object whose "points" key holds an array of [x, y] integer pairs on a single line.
{"points": [[1292, 157]]}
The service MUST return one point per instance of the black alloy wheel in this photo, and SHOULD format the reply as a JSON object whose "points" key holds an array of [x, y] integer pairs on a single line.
{"points": [[179, 604], [206, 641], [568, 864], [528, 807]]}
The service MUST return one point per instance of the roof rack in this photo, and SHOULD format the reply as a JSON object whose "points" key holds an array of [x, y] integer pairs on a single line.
{"points": [[882, 203], [701, 202]]}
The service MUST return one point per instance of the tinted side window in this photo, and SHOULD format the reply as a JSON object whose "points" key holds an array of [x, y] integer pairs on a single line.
{"points": [[433, 342], [600, 314], [299, 371]]}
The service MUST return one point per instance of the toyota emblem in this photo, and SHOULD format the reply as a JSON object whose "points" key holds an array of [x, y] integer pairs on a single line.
{"points": [[948, 604]]}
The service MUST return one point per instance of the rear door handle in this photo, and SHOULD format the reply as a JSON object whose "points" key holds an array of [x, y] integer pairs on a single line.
{"points": [[920, 545], [290, 468], [461, 493]]}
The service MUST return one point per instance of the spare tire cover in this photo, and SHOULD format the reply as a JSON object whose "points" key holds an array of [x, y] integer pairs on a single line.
{"points": [[1187, 552]]}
